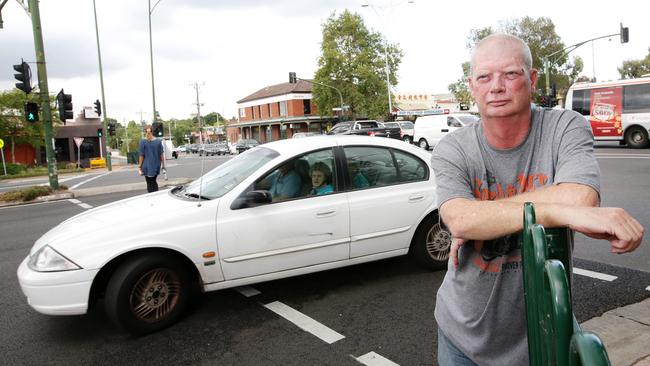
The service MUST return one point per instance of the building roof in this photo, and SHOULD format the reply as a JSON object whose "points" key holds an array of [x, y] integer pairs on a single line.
{"points": [[280, 89]]}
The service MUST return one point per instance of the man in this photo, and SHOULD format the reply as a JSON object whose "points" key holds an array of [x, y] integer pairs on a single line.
{"points": [[286, 184], [485, 172]]}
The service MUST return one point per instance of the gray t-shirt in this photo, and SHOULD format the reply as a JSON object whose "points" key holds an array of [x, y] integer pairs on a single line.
{"points": [[480, 305]]}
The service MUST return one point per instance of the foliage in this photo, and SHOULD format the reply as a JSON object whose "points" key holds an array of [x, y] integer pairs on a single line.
{"points": [[29, 193], [13, 169], [635, 68], [353, 61], [13, 126], [540, 35], [460, 89]]}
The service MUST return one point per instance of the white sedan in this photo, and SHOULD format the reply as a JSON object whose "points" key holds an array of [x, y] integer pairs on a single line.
{"points": [[282, 209]]}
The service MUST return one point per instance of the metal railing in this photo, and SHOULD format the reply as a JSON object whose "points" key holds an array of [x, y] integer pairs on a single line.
{"points": [[554, 335]]}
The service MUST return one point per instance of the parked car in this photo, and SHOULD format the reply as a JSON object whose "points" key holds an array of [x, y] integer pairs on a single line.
{"points": [[226, 229], [222, 148], [406, 129], [366, 127], [430, 129], [243, 145]]}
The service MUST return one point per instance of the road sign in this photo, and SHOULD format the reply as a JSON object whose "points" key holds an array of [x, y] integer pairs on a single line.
{"points": [[78, 141], [2, 143]]}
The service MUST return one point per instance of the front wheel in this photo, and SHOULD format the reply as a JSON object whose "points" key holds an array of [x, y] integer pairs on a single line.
{"points": [[636, 137], [423, 144], [431, 244], [407, 139], [148, 293]]}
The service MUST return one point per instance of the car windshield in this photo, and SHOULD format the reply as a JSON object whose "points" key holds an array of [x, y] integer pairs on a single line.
{"points": [[341, 127], [468, 119], [225, 177]]}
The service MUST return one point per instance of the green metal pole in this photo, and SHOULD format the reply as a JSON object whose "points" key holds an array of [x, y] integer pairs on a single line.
{"points": [[44, 94], [547, 76], [153, 89], [109, 166]]}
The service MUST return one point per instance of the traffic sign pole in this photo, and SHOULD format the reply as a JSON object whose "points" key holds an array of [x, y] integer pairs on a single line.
{"points": [[2, 151]]}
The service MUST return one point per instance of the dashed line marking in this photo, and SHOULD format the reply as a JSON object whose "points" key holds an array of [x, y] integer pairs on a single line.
{"points": [[248, 291], [648, 288], [592, 274], [304, 322], [79, 203], [374, 359], [87, 180]]}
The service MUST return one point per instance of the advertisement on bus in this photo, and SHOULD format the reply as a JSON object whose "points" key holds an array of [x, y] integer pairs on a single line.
{"points": [[606, 111]]}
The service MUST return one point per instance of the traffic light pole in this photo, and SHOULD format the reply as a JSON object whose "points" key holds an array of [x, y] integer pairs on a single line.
{"points": [[44, 94], [109, 166]]}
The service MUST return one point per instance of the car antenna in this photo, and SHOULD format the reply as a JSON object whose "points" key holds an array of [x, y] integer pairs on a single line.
{"points": [[202, 165]]}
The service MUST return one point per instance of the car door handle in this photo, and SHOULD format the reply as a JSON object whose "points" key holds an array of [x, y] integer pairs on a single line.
{"points": [[416, 198], [444, 130], [325, 213]]}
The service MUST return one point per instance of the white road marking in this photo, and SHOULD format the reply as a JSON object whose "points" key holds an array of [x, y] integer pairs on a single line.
{"points": [[79, 203], [247, 291], [373, 359], [648, 288], [87, 180], [600, 276], [304, 322]]}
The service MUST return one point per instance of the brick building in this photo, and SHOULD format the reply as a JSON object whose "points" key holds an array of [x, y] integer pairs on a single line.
{"points": [[277, 112]]}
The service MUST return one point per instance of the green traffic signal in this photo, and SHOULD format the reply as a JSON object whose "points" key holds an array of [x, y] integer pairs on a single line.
{"points": [[31, 112], [100, 132]]}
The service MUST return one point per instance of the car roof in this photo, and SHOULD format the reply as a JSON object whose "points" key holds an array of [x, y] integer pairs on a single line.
{"points": [[292, 147]]}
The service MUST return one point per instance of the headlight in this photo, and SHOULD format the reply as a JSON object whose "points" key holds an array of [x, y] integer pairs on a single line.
{"points": [[47, 259]]}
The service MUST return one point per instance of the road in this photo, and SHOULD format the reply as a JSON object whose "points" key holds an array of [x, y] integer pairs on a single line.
{"points": [[382, 309]]}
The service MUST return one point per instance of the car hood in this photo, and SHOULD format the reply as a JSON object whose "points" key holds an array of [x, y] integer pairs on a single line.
{"points": [[116, 224]]}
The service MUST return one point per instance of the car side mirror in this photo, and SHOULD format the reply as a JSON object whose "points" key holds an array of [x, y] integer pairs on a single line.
{"points": [[251, 199]]}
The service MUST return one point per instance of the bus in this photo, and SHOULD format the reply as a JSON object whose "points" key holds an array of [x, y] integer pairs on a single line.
{"points": [[617, 110]]}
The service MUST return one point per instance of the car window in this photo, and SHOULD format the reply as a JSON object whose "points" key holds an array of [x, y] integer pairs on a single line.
{"points": [[225, 177], [410, 168], [341, 127], [407, 125], [453, 122], [468, 119], [311, 174], [370, 166]]}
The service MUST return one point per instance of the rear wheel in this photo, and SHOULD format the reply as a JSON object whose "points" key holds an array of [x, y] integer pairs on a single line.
{"points": [[423, 144], [147, 293], [406, 139], [636, 137], [430, 246]]}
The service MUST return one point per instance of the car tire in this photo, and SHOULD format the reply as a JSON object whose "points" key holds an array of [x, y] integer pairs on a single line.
{"points": [[147, 293], [423, 144], [431, 243], [407, 139], [636, 137]]}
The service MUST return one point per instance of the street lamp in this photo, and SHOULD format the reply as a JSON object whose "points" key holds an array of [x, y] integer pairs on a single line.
{"points": [[366, 5], [153, 90]]}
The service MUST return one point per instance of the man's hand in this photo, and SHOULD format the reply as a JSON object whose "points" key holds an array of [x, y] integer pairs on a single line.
{"points": [[456, 243], [622, 230]]}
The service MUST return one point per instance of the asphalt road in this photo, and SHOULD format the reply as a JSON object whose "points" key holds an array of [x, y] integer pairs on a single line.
{"points": [[384, 307]]}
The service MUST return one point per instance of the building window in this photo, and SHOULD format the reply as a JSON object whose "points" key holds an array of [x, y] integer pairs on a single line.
{"points": [[283, 107], [242, 112], [259, 112], [306, 106], [270, 114]]}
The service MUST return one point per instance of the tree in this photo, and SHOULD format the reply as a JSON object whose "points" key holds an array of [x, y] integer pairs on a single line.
{"points": [[635, 68], [460, 89], [353, 61], [13, 124], [213, 119]]}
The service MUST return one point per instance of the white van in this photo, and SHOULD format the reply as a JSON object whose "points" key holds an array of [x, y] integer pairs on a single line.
{"points": [[430, 129]]}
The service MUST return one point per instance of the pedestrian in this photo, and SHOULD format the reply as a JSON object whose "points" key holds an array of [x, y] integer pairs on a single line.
{"points": [[485, 172], [151, 160]]}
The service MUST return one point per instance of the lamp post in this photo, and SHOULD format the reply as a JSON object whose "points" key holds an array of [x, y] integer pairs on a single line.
{"points": [[101, 82], [390, 100], [153, 89]]}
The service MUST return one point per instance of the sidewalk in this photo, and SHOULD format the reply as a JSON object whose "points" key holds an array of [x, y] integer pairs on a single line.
{"points": [[625, 331]]}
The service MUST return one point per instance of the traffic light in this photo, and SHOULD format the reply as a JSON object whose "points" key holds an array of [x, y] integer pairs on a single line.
{"points": [[100, 132], [292, 78], [24, 75], [31, 112], [157, 129], [625, 34], [64, 102], [98, 107], [111, 129]]}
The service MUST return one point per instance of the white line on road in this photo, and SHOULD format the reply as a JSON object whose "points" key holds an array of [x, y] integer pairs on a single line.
{"points": [[304, 322], [79, 203], [648, 288], [87, 180], [373, 359], [247, 291], [600, 276]]}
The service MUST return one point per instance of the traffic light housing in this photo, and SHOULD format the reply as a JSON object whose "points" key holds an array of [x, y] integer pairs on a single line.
{"points": [[98, 107], [100, 132], [24, 76], [292, 78], [625, 34], [157, 128], [31, 112], [64, 101], [111, 129]]}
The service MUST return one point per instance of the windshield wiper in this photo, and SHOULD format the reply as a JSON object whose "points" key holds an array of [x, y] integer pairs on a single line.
{"points": [[197, 196]]}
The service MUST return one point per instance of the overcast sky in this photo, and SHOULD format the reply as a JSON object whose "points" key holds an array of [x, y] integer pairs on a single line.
{"points": [[236, 47]]}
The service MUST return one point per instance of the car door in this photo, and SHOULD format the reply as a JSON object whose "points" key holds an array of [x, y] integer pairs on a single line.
{"points": [[297, 232], [388, 194]]}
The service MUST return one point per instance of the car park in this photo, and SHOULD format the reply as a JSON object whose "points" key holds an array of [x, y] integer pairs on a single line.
{"points": [[227, 229], [430, 129], [406, 129]]}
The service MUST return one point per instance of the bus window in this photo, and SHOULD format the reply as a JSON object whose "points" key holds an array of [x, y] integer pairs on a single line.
{"points": [[582, 102], [636, 98]]}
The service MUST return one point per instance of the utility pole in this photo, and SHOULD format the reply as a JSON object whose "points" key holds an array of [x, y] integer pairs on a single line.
{"points": [[109, 166], [198, 111], [141, 123], [44, 94]]}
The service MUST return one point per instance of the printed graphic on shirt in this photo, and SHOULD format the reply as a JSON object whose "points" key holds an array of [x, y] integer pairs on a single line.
{"points": [[498, 255]]}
